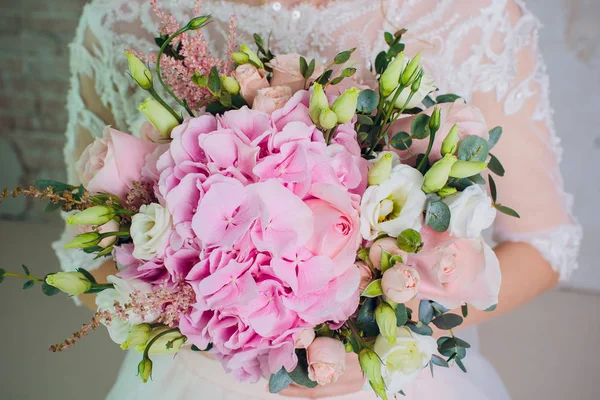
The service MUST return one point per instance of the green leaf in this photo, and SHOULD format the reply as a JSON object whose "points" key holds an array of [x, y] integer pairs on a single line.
{"points": [[473, 148], [496, 166], [438, 309], [368, 100], [493, 190], [425, 312], [420, 328], [426, 165], [304, 67], [428, 101], [477, 179], [26, 270], [447, 321], [49, 290], [460, 364], [381, 62], [214, 82], [85, 273], [439, 361], [311, 68], [337, 80], [465, 310], [215, 108], [300, 374], [364, 120], [342, 57], [365, 321], [418, 127], [401, 141], [57, 186], [2, 275], [225, 99], [395, 49], [438, 216], [507, 211], [389, 38], [28, 284], [452, 343], [373, 290], [348, 72], [401, 315], [491, 308], [495, 135], [279, 381], [323, 79], [409, 240], [196, 348], [449, 349], [447, 98]]}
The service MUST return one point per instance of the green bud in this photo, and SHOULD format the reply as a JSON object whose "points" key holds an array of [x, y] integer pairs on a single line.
{"points": [[73, 283], [140, 73], [386, 321], [464, 169], [381, 170], [97, 215], [230, 84], [410, 241], [318, 103], [240, 58], [438, 174], [198, 22], [348, 347], [84, 241], [169, 343], [434, 121], [345, 105], [252, 56], [138, 335], [371, 366], [145, 369], [160, 117], [411, 70], [446, 191], [450, 143], [416, 84], [390, 78], [327, 119]]}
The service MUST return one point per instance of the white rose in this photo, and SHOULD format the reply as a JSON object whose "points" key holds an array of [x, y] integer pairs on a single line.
{"points": [[427, 86], [471, 212], [118, 329], [394, 205], [404, 359], [150, 230]]}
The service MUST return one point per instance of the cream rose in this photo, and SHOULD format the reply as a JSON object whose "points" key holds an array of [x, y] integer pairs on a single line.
{"points": [[304, 338], [326, 360], [150, 229], [394, 205], [286, 72], [270, 99], [471, 212], [400, 283], [403, 360], [251, 80]]}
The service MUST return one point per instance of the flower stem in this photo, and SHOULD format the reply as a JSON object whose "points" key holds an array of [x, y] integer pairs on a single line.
{"points": [[163, 103], [23, 276], [155, 338]]}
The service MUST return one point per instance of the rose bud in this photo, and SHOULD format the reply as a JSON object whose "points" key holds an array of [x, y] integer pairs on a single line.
{"points": [[366, 275], [305, 338], [400, 283], [73, 283], [326, 360]]}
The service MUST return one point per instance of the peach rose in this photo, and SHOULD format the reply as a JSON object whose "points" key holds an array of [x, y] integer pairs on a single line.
{"points": [[304, 338], [386, 244], [286, 72], [326, 360], [400, 283], [366, 275], [251, 80], [271, 99]]}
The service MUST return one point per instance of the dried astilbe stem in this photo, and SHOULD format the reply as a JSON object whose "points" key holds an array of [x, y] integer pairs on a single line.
{"points": [[66, 197], [140, 193]]}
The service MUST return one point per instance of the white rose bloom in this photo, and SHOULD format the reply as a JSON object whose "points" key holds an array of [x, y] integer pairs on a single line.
{"points": [[427, 86], [394, 205], [471, 212], [150, 229], [105, 300], [404, 359]]}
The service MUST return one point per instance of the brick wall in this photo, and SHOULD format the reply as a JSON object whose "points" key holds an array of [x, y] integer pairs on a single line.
{"points": [[34, 79]]}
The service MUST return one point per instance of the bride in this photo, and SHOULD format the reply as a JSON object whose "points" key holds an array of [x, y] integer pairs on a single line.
{"points": [[484, 50]]}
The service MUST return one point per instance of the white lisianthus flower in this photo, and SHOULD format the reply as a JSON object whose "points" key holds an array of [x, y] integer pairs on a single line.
{"points": [[471, 212], [403, 360], [150, 229], [118, 329], [394, 205]]}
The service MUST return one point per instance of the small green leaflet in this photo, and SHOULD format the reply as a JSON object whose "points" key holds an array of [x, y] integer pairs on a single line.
{"points": [[401, 315], [373, 290], [495, 165], [447, 321], [493, 191], [507, 211], [418, 127], [401, 141], [495, 135], [279, 381]]}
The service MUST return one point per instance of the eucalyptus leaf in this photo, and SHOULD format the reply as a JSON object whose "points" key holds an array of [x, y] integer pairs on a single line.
{"points": [[311, 68], [420, 328], [401, 141], [439, 361], [381, 62], [401, 315], [325, 77], [373, 290], [88, 276], [413, 111], [477, 179], [364, 120], [495, 135], [410, 241], [428, 101], [418, 127], [279, 381], [493, 190], [300, 374], [368, 100], [389, 38], [28, 284], [337, 80], [496, 166], [447, 321], [447, 98], [465, 310], [473, 148], [49, 290], [365, 321], [214, 82], [348, 72], [507, 211], [438, 216], [491, 308], [26, 270], [395, 49], [425, 311], [460, 364], [344, 56]]}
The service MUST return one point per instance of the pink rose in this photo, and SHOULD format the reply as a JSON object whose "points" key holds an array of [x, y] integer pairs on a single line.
{"points": [[400, 283], [271, 99], [286, 72], [113, 163], [470, 121], [387, 244], [366, 275], [304, 338], [251, 80], [456, 271], [326, 360], [110, 226]]}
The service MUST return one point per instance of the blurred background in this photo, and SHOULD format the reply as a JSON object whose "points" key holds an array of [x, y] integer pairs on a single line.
{"points": [[545, 350]]}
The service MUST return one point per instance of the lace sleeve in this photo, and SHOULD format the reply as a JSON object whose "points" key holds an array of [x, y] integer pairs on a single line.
{"points": [[512, 87]]}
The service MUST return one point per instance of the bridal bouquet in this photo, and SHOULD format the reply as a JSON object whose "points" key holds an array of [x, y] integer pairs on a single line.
{"points": [[289, 217]]}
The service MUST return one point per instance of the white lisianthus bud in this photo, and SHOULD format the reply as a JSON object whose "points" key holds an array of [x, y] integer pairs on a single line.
{"points": [[97, 215], [411, 70], [230, 85], [446, 191], [385, 316], [434, 121], [371, 365], [159, 116], [327, 119], [345, 105], [390, 79], [450, 143], [252, 56], [138, 336], [381, 170], [140, 73], [198, 22], [437, 176], [73, 283], [464, 169], [425, 83], [84, 241], [240, 58], [145, 369], [150, 230], [318, 102]]}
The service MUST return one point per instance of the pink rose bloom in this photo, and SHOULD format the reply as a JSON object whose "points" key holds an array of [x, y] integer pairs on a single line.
{"points": [[387, 244], [366, 275], [286, 72], [400, 283], [271, 99], [112, 163], [469, 119], [251, 80], [326, 360], [456, 271]]}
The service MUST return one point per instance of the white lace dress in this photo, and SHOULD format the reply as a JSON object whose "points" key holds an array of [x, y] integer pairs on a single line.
{"points": [[486, 51]]}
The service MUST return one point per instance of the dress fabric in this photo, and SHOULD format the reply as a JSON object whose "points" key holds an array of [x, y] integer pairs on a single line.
{"points": [[486, 51]]}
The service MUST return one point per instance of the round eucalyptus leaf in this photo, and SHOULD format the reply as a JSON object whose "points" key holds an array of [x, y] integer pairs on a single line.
{"points": [[401, 141], [279, 381], [368, 100], [473, 148], [447, 321], [418, 127], [438, 216]]}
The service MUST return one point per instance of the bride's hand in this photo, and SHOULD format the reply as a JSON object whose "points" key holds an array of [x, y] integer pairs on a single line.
{"points": [[352, 380]]}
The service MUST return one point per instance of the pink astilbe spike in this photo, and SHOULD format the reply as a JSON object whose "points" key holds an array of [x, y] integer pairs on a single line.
{"points": [[168, 23], [231, 44]]}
